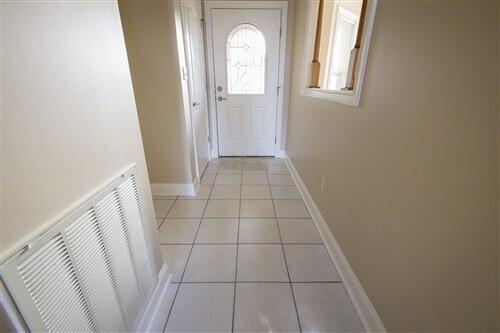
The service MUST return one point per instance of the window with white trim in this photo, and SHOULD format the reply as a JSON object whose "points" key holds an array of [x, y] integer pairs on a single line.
{"points": [[246, 60], [338, 34]]}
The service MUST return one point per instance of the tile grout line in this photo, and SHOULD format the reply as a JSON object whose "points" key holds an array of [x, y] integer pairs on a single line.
{"points": [[247, 185], [252, 243], [168, 211], [286, 264], [237, 249], [237, 244], [270, 282], [185, 265], [164, 218], [243, 218]]}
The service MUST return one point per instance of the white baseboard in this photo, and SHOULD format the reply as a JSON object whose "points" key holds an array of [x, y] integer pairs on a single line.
{"points": [[367, 313], [156, 311], [12, 319], [166, 189], [280, 154], [196, 185]]}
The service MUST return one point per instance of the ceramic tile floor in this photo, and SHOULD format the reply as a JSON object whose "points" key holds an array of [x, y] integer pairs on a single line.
{"points": [[246, 256]]}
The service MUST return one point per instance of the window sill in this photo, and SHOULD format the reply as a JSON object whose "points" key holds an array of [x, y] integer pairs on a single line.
{"points": [[342, 97]]}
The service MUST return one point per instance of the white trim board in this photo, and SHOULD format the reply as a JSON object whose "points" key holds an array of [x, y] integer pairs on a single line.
{"points": [[15, 320], [366, 312], [280, 154], [156, 311], [181, 7], [212, 107], [170, 189], [344, 97]]}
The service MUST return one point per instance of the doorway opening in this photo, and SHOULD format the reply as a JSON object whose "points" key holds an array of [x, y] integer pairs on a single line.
{"points": [[246, 43]]}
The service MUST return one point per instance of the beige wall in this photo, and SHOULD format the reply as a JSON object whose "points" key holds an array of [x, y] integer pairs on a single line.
{"points": [[411, 175], [498, 53], [69, 122], [150, 35]]}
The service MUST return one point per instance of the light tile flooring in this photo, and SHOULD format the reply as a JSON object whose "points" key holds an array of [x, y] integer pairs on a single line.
{"points": [[246, 256]]}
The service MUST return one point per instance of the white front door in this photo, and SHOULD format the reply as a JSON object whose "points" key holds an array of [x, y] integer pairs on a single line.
{"points": [[246, 44], [197, 82]]}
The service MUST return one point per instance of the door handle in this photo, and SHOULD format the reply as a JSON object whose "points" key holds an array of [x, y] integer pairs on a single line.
{"points": [[220, 99], [196, 104]]}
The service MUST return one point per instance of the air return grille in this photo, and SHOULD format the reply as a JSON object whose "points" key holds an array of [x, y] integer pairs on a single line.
{"points": [[92, 271], [51, 280], [87, 245]]}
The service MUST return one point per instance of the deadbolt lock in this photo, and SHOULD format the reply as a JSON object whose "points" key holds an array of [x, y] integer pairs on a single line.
{"points": [[219, 88]]}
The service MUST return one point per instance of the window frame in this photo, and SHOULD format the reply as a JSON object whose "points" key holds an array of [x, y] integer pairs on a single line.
{"points": [[348, 97], [259, 31], [340, 13]]}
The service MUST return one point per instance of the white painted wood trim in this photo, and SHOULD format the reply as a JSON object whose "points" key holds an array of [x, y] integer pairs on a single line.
{"points": [[156, 311], [281, 154], [60, 227], [196, 184], [170, 189], [212, 107], [366, 312], [281, 80], [344, 97], [153, 319], [180, 9], [15, 319], [183, 79]]}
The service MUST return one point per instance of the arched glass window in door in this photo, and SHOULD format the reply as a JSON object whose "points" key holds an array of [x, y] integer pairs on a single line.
{"points": [[246, 60]]}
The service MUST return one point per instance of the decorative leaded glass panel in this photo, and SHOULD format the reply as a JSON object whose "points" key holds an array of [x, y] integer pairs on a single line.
{"points": [[246, 60]]}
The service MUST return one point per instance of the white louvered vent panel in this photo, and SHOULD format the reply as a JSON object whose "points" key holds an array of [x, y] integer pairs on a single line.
{"points": [[52, 283], [87, 248], [137, 233], [91, 271], [118, 248]]}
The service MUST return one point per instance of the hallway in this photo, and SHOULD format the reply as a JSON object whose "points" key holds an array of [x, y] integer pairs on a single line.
{"points": [[245, 255], [250, 166]]}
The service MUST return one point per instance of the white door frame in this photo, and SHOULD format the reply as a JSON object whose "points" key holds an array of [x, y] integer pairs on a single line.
{"points": [[212, 107], [190, 83]]}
